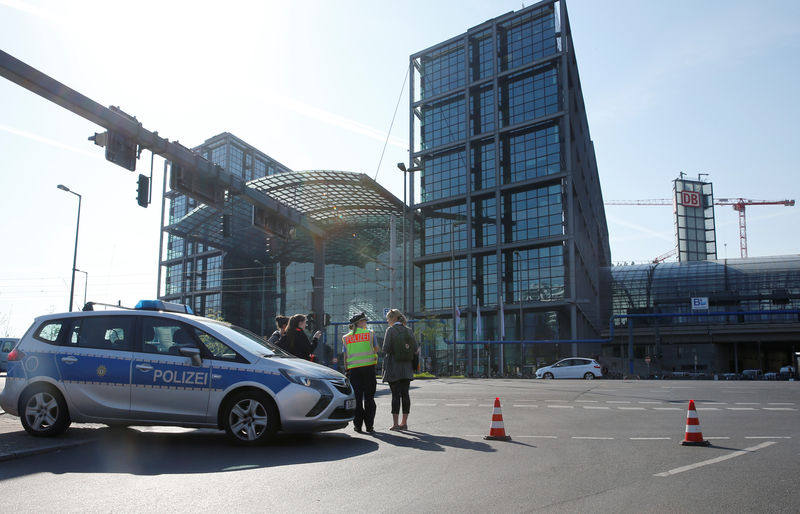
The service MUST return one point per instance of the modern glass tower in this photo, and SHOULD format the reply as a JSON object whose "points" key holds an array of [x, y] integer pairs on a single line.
{"points": [[505, 188]]}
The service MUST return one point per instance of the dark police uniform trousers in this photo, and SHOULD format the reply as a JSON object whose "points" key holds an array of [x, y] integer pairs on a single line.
{"points": [[364, 385]]}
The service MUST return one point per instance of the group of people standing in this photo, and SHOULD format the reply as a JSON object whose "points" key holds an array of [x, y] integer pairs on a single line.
{"points": [[400, 357], [361, 358], [290, 336]]}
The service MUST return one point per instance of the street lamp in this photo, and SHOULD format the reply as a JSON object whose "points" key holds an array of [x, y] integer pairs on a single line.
{"points": [[453, 287], [75, 254], [519, 289], [85, 283], [402, 167]]}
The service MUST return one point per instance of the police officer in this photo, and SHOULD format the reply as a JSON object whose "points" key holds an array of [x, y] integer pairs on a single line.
{"points": [[361, 357]]}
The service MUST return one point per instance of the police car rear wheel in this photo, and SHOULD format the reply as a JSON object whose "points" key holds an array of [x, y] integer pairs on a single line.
{"points": [[44, 412], [251, 418]]}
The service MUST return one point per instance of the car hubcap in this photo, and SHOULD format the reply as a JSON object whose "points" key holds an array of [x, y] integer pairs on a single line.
{"points": [[41, 411], [248, 419]]}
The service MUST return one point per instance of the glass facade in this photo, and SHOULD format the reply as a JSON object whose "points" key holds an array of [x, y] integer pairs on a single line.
{"points": [[245, 273], [748, 316], [694, 220], [508, 198], [193, 269]]}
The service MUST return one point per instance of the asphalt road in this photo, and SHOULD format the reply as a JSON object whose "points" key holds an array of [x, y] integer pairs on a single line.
{"points": [[577, 446]]}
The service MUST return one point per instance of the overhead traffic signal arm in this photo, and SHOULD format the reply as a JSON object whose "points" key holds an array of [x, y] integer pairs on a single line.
{"points": [[192, 174]]}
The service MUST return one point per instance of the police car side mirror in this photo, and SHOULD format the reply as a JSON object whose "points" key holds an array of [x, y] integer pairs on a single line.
{"points": [[192, 353]]}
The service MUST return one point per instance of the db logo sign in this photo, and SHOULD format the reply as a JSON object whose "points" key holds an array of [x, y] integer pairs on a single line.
{"points": [[691, 199]]}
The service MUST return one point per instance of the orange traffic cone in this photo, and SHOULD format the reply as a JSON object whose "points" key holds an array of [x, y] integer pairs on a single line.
{"points": [[497, 432], [694, 436]]}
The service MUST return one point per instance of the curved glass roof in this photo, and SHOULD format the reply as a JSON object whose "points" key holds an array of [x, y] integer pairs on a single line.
{"points": [[757, 283], [350, 208]]}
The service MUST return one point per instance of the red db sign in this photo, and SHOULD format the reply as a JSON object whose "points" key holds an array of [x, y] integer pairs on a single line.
{"points": [[691, 199]]}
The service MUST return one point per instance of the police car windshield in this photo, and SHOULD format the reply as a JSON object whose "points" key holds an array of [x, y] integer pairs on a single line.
{"points": [[248, 340]]}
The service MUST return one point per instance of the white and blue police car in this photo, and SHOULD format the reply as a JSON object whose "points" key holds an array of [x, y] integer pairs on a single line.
{"points": [[158, 364]]}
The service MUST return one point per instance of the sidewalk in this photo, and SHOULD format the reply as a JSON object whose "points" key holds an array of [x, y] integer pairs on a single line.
{"points": [[15, 442]]}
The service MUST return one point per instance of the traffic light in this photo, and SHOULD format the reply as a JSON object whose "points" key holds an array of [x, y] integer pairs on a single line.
{"points": [[226, 225], [311, 322], [143, 190]]}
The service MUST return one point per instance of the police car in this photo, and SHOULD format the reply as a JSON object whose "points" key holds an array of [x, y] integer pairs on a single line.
{"points": [[158, 364]]}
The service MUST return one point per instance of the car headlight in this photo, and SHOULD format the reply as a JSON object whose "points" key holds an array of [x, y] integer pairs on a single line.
{"points": [[298, 377], [325, 393]]}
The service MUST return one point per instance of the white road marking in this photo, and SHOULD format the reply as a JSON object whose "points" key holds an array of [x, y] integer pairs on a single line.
{"points": [[657, 403], [740, 408], [650, 438], [537, 436], [715, 460], [525, 405], [417, 404], [594, 438], [779, 408], [717, 437], [561, 406], [615, 401], [713, 403], [456, 405], [747, 403], [552, 401], [667, 408], [485, 405], [596, 407], [770, 437], [780, 403], [586, 401], [706, 408], [631, 408]]}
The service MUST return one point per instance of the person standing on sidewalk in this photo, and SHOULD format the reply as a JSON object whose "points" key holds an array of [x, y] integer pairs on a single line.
{"points": [[399, 348], [361, 357]]}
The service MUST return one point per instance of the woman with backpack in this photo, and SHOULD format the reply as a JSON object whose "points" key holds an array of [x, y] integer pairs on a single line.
{"points": [[399, 349]]}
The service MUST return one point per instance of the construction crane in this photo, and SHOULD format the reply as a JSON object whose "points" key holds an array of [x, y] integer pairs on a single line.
{"points": [[738, 205]]}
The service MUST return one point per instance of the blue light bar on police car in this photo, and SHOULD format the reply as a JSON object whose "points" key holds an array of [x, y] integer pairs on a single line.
{"points": [[160, 305]]}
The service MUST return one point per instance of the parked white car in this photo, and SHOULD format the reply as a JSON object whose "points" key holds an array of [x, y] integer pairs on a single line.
{"points": [[574, 367]]}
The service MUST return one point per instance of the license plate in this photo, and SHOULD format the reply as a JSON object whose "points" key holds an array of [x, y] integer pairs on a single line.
{"points": [[349, 404]]}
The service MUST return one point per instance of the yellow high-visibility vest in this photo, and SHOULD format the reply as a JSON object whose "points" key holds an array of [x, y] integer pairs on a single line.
{"points": [[359, 349]]}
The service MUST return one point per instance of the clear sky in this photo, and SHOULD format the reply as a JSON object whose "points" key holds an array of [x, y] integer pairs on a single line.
{"points": [[699, 87]]}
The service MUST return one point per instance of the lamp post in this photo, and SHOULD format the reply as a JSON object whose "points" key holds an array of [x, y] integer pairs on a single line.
{"points": [[75, 254], [411, 169], [519, 289], [85, 283]]}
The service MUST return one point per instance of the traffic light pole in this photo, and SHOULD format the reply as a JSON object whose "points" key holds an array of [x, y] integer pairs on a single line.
{"points": [[118, 123]]}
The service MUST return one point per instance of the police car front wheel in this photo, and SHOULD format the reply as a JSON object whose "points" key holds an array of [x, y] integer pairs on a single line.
{"points": [[44, 412], [250, 418]]}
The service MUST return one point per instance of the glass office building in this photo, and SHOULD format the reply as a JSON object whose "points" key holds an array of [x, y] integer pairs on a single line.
{"points": [[245, 265], [706, 317], [505, 188]]}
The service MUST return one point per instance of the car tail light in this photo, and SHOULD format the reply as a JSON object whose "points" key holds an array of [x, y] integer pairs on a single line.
{"points": [[597, 366], [15, 355]]}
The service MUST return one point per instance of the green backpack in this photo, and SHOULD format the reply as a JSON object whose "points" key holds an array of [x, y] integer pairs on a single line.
{"points": [[404, 347]]}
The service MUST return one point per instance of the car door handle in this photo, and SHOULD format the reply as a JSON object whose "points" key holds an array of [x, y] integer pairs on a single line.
{"points": [[69, 360], [144, 367]]}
